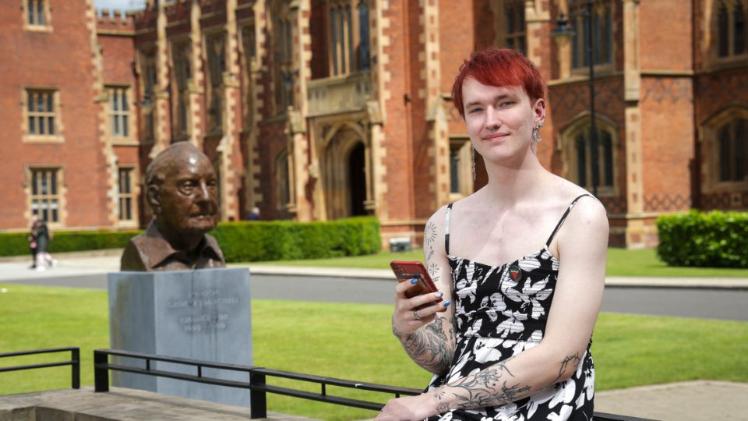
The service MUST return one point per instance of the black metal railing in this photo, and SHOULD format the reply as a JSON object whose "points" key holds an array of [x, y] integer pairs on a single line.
{"points": [[74, 362], [256, 384]]}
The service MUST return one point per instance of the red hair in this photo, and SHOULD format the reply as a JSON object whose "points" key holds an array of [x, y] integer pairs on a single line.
{"points": [[499, 67]]}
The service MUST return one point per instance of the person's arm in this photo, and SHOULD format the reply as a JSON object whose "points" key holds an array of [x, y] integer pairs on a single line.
{"points": [[430, 341], [582, 246]]}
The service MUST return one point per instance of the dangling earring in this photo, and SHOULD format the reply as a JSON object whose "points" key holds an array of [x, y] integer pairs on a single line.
{"points": [[536, 134], [472, 159]]}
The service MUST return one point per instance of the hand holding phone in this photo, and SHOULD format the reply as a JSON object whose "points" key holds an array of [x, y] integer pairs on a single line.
{"points": [[407, 270]]}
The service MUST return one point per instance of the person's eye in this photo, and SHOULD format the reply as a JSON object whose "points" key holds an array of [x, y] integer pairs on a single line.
{"points": [[505, 104], [475, 110], [186, 186]]}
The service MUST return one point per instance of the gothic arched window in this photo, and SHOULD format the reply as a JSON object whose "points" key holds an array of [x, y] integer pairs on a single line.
{"points": [[578, 156], [602, 32]]}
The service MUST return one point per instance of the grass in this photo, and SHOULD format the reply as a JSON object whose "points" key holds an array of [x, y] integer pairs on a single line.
{"points": [[621, 262], [353, 341]]}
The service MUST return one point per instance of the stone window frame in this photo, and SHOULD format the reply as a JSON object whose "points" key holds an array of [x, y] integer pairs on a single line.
{"points": [[58, 135], [577, 44], [148, 69], [58, 196], [132, 195], [464, 172], [567, 146], [26, 9], [345, 40], [215, 92], [181, 48], [709, 138], [503, 38], [127, 115]]}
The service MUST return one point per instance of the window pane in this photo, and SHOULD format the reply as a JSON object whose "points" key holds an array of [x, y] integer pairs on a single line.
{"points": [[51, 125], [32, 125], [741, 150], [40, 12], [723, 29], [607, 155], [363, 22], [724, 153], [42, 127], [581, 146], [454, 169], [739, 32]]}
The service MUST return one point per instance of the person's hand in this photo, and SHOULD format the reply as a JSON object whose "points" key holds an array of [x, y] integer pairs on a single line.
{"points": [[406, 319], [408, 408]]}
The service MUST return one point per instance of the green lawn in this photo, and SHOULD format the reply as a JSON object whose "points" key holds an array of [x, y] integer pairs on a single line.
{"points": [[354, 342], [621, 262]]}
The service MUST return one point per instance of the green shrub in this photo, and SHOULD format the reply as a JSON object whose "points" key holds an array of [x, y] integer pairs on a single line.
{"points": [[711, 239], [240, 241], [287, 240], [16, 244]]}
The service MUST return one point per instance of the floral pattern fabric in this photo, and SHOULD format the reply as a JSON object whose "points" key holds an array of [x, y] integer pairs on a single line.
{"points": [[501, 311]]}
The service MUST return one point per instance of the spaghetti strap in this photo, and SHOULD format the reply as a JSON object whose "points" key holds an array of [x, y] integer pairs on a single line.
{"points": [[446, 227], [563, 217]]}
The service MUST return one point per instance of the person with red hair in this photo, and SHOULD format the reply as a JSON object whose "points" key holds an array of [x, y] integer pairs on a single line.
{"points": [[520, 273]]}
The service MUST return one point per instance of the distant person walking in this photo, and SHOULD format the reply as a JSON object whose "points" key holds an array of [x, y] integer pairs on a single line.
{"points": [[43, 258], [33, 246]]}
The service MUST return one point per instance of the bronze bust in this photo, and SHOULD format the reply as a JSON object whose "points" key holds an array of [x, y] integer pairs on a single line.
{"points": [[181, 189]]}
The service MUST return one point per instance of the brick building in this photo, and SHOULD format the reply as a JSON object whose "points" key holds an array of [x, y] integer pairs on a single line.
{"points": [[321, 109]]}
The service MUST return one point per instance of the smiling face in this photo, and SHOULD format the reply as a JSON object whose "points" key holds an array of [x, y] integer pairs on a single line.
{"points": [[500, 120], [187, 196]]}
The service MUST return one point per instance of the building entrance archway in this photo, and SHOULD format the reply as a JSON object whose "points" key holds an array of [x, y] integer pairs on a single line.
{"points": [[344, 168]]}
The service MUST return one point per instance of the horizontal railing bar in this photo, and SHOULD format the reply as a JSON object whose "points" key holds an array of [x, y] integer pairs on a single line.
{"points": [[178, 376], [318, 397], [337, 382], [33, 366], [177, 360], [36, 351]]}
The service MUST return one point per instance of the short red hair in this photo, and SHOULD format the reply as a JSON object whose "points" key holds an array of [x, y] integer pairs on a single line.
{"points": [[499, 67]]}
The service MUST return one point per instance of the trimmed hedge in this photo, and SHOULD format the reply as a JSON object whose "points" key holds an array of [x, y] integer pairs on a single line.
{"points": [[711, 239], [240, 241], [287, 240], [16, 244]]}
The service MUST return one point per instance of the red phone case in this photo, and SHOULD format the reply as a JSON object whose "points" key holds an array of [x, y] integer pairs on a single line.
{"points": [[407, 270]]}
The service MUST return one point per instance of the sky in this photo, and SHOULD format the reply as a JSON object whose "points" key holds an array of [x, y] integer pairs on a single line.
{"points": [[119, 4]]}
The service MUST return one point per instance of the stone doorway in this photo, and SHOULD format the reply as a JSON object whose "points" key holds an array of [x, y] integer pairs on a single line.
{"points": [[345, 174]]}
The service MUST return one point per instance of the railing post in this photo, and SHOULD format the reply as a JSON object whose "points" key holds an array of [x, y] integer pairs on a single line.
{"points": [[257, 398], [75, 375], [101, 371]]}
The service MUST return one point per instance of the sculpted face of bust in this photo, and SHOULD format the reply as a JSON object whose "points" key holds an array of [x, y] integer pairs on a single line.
{"points": [[182, 190]]}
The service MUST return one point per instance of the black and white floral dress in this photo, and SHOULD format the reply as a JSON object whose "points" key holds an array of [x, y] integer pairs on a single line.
{"points": [[501, 311]]}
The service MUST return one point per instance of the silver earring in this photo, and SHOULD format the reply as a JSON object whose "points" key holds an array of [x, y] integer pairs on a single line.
{"points": [[536, 134]]}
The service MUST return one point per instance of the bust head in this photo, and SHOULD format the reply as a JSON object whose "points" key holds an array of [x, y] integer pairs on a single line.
{"points": [[182, 189]]}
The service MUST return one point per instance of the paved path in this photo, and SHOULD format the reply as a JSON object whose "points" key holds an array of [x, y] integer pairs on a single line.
{"points": [[712, 298]]}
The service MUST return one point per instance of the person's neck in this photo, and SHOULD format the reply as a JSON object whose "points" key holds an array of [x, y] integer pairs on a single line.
{"points": [[511, 183], [182, 241]]}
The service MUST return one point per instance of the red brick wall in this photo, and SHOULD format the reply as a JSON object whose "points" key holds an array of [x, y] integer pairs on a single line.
{"points": [[58, 59]]}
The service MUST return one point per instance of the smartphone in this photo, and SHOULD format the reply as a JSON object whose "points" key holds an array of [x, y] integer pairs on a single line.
{"points": [[407, 270]]}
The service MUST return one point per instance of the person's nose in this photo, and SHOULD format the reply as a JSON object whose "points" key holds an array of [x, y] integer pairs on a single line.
{"points": [[492, 118]]}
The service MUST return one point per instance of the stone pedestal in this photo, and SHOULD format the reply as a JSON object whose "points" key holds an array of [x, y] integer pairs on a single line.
{"points": [[202, 314]]}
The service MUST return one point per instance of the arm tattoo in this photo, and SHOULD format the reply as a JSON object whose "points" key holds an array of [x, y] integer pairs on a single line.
{"points": [[429, 240], [492, 386], [432, 346], [572, 359]]}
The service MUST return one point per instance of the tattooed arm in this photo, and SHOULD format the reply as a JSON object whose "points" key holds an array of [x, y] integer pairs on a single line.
{"points": [[430, 341], [581, 245]]}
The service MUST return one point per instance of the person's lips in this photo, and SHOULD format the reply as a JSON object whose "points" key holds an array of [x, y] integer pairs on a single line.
{"points": [[495, 136]]}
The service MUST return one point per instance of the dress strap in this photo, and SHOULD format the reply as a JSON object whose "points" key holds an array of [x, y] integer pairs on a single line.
{"points": [[563, 217], [446, 227]]}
